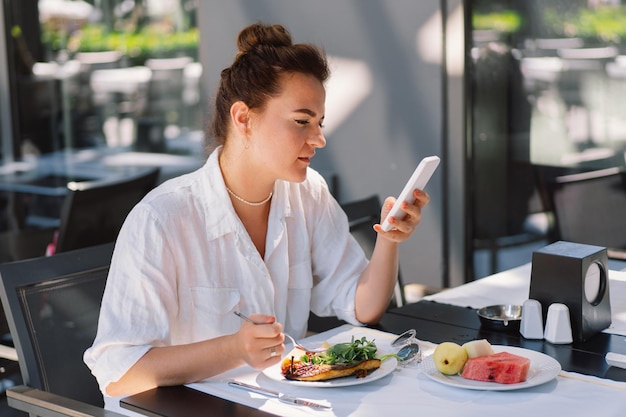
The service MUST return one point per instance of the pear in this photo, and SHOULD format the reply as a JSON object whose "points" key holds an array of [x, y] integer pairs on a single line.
{"points": [[450, 358], [476, 348]]}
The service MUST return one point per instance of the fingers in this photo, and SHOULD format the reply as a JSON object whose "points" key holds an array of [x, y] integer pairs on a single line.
{"points": [[273, 351], [271, 354], [404, 226], [262, 318], [261, 343], [421, 198]]}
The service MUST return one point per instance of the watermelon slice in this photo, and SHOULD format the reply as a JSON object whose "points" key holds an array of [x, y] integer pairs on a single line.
{"points": [[503, 368]]}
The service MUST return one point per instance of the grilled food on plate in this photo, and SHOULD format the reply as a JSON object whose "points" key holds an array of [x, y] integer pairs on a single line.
{"points": [[341, 360]]}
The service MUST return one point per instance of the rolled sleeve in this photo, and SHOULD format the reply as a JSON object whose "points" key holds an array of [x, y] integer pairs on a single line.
{"points": [[137, 301]]}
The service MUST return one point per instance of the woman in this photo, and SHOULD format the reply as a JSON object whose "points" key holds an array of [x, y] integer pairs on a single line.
{"points": [[255, 230]]}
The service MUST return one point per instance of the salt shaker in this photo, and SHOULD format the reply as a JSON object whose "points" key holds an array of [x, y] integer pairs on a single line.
{"points": [[531, 326], [558, 325]]}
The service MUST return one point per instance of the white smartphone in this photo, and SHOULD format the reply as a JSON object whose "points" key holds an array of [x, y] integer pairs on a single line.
{"points": [[419, 179]]}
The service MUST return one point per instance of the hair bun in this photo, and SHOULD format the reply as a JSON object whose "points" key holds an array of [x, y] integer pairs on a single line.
{"points": [[259, 34]]}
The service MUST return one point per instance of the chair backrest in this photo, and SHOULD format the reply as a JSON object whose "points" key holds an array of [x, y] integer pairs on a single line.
{"points": [[93, 211], [362, 215], [52, 306], [589, 207]]}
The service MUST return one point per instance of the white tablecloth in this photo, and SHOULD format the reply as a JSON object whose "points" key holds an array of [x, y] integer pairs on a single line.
{"points": [[513, 287], [408, 391]]}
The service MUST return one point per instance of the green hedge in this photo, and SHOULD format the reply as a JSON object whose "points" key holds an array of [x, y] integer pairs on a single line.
{"points": [[602, 25], [148, 43], [507, 21]]}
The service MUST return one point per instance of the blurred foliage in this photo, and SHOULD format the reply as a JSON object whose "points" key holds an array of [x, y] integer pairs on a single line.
{"points": [[506, 21], [602, 25], [132, 31], [599, 25], [150, 42]]}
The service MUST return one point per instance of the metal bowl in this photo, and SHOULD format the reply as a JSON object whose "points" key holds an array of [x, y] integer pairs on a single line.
{"points": [[503, 317]]}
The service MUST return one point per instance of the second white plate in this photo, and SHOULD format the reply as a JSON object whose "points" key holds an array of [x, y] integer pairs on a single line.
{"points": [[543, 368]]}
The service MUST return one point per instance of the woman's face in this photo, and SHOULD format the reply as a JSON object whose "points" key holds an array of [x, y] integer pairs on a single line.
{"points": [[287, 131]]}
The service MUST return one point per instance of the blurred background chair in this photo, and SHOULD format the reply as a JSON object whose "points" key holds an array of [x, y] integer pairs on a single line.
{"points": [[52, 306], [590, 208], [93, 211], [119, 97], [362, 215], [165, 93], [24, 243], [90, 212], [165, 104]]}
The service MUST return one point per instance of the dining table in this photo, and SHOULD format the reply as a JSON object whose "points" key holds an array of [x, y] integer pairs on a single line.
{"points": [[572, 378]]}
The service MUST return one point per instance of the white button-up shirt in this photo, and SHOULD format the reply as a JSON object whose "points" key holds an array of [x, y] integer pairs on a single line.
{"points": [[183, 263]]}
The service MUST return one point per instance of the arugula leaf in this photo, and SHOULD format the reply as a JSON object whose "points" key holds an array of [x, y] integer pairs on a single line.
{"points": [[344, 353]]}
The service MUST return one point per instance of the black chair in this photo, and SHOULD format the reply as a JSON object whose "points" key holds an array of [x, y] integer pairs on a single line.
{"points": [[52, 306], [590, 208], [362, 215], [38, 403], [93, 211]]}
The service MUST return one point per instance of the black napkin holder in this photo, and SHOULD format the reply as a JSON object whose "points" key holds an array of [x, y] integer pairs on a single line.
{"points": [[559, 274]]}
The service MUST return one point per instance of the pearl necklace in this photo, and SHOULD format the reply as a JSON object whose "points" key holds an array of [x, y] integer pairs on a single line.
{"points": [[260, 203]]}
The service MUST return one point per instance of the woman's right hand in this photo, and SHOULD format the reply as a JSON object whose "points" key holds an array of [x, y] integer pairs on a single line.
{"points": [[258, 345], [261, 345]]}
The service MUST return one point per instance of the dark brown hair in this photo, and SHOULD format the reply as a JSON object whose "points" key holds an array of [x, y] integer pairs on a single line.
{"points": [[265, 53]]}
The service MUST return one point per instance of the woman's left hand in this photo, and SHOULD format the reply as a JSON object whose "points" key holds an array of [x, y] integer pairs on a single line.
{"points": [[403, 228]]}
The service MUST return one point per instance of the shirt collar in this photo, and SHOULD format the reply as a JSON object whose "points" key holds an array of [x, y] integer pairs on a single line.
{"points": [[218, 202]]}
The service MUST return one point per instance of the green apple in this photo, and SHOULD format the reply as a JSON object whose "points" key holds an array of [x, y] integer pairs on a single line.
{"points": [[476, 348], [450, 358]]}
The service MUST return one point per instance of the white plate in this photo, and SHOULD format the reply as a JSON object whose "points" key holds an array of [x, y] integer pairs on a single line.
{"points": [[386, 367], [543, 368]]}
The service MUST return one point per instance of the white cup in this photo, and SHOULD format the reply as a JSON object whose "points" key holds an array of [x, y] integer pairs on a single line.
{"points": [[531, 326], [558, 325]]}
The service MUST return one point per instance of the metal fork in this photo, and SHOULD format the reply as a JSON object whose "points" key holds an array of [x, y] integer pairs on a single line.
{"points": [[295, 343]]}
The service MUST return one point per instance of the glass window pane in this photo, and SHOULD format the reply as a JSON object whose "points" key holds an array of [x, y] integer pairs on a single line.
{"points": [[545, 85], [99, 89], [108, 73], [126, 73]]}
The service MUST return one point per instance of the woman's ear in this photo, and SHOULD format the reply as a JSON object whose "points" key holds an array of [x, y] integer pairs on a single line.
{"points": [[240, 117]]}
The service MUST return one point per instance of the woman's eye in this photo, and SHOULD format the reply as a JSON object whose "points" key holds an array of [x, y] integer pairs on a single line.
{"points": [[307, 122]]}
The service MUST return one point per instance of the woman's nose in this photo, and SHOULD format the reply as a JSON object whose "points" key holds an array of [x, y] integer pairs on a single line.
{"points": [[318, 140]]}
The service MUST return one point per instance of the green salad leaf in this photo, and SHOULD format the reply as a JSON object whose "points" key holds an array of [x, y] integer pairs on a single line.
{"points": [[344, 353]]}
